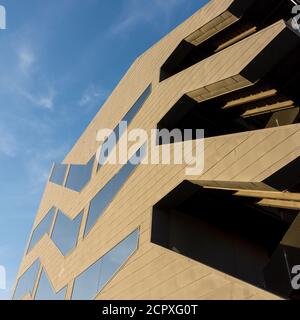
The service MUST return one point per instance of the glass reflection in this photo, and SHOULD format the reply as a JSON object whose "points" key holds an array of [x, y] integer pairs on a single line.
{"points": [[43, 227], [90, 283], [86, 285], [27, 281], [104, 197], [139, 103], [112, 140], [79, 175], [65, 232], [115, 258], [58, 173], [45, 291]]}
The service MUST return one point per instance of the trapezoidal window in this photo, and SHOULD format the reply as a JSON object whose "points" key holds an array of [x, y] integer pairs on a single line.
{"points": [[91, 281], [65, 232], [106, 195], [111, 141], [45, 290], [58, 173], [44, 227], [26, 282], [79, 175]]}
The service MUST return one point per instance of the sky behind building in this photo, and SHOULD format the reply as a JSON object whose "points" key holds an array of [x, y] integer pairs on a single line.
{"points": [[59, 61]]}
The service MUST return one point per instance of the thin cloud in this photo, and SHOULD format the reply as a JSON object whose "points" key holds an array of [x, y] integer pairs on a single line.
{"points": [[91, 97], [8, 144], [45, 101], [26, 59], [39, 164], [137, 11]]}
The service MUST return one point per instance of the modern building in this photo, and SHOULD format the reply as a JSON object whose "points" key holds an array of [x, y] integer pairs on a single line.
{"points": [[144, 231]]}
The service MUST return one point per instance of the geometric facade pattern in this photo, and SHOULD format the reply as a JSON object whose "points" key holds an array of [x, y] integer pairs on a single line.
{"points": [[231, 232]]}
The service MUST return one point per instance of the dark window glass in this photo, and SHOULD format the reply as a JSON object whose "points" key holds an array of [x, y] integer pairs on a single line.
{"points": [[79, 175], [42, 228], [27, 281], [111, 141], [109, 191], [58, 173], [89, 283], [45, 291], [65, 232]]}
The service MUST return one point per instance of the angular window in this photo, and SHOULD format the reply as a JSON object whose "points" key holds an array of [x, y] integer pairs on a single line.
{"points": [[58, 173], [45, 291], [65, 232], [117, 257], [43, 227], [79, 175], [27, 281], [107, 194], [111, 141], [90, 283], [137, 106], [86, 285]]}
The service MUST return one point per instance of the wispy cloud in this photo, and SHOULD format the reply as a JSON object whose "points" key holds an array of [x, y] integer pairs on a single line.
{"points": [[26, 59], [8, 144], [39, 165], [45, 100], [92, 97], [142, 11]]}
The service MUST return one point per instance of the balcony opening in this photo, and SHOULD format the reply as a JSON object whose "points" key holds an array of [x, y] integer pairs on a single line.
{"points": [[272, 101], [214, 227], [242, 19]]}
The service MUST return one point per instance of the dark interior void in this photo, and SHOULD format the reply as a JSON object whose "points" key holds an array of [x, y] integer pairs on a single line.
{"points": [[287, 178], [254, 16], [272, 101], [228, 233]]}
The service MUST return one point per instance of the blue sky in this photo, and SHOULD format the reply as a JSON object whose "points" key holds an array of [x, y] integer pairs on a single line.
{"points": [[59, 61]]}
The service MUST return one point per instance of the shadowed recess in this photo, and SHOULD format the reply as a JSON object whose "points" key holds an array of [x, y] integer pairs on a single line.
{"points": [[229, 233]]}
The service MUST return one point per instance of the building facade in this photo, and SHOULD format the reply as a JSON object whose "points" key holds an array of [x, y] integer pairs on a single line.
{"points": [[150, 231]]}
